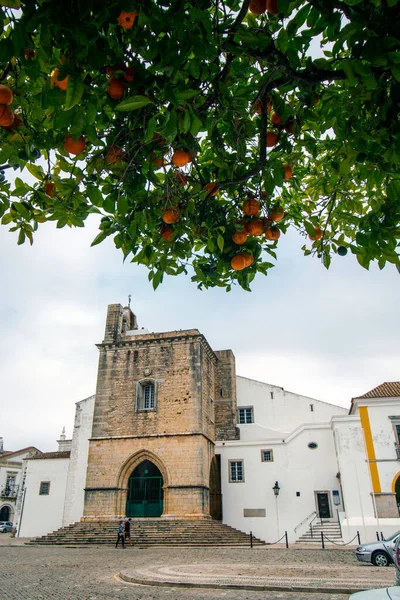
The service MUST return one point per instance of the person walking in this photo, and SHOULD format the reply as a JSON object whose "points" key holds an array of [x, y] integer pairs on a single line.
{"points": [[121, 534], [128, 531]]}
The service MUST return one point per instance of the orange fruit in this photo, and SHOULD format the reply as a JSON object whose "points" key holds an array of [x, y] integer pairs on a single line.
{"points": [[6, 95], [289, 125], [180, 158], [318, 234], [170, 215], [72, 146], [288, 171], [240, 237], [210, 187], [15, 124], [272, 7], [130, 74], [272, 233], [114, 154], [127, 19], [181, 178], [167, 233], [275, 118], [6, 116], [255, 227], [249, 259], [266, 221], [159, 138], [251, 207], [277, 214], [239, 262], [272, 139], [116, 89], [258, 105], [50, 189], [257, 7], [60, 83], [157, 160]]}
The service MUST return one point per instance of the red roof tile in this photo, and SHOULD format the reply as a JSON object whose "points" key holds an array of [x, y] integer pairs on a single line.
{"points": [[389, 389]]}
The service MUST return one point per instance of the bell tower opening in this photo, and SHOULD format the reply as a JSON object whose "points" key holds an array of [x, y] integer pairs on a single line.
{"points": [[145, 491]]}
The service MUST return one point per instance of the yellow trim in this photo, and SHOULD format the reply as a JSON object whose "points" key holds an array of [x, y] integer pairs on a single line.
{"points": [[394, 482], [373, 467]]}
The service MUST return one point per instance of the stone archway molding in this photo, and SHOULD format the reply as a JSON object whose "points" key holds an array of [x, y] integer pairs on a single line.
{"points": [[125, 472], [394, 482]]}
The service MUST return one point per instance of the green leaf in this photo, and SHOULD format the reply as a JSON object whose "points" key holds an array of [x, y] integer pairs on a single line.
{"points": [[220, 242], [75, 89], [171, 129], [133, 103], [35, 170], [186, 95], [21, 238], [22, 210], [94, 195], [7, 218], [100, 238]]}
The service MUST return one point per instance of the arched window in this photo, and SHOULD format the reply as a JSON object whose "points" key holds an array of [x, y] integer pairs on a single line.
{"points": [[146, 395]]}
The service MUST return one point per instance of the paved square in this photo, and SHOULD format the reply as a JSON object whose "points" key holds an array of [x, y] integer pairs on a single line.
{"points": [[90, 573]]}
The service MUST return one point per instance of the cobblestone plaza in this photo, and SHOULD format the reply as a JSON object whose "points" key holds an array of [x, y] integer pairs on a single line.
{"points": [[91, 573]]}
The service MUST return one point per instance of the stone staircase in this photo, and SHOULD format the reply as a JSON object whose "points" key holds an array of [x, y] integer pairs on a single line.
{"points": [[330, 530], [150, 532]]}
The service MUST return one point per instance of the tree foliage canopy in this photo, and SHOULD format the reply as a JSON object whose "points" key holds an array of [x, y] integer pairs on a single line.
{"points": [[128, 109]]}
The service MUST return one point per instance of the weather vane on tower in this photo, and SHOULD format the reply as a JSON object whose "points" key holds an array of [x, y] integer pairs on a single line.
{"points": [[129, 300]]}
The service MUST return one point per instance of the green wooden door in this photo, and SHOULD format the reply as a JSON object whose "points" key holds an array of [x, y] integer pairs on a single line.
{"points": [[145, 491]]}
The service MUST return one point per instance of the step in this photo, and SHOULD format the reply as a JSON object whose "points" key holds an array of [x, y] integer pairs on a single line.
{"points": [[151, 532]]}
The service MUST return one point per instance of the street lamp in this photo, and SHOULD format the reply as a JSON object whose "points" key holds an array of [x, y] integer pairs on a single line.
{"points": [[276, 488]]}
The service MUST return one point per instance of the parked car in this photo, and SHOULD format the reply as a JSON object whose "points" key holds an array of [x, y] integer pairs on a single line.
{"points": [[391, 593], [5, 526], [378, 553]]}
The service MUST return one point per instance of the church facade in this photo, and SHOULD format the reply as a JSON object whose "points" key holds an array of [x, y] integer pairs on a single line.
{"points": [[173, 433]]}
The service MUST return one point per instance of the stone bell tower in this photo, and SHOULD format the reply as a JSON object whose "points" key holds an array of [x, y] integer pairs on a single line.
{"points": [[161, 401]]}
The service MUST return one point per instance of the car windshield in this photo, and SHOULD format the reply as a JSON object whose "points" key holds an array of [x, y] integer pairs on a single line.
{"points": [[390, 538]]}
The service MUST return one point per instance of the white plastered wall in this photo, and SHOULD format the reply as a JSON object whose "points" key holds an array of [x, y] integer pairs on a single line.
{"points": [[285, 424], [42, 514], [75, 494]]}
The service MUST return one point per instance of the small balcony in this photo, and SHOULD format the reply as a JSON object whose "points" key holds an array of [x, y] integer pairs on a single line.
{"points": [[397, 448], [9, 491]]}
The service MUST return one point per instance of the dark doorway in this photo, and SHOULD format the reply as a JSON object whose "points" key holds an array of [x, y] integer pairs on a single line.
{"points": [[323, 505], [397, 490], [5, 513], [145, 491], [215, 488]]}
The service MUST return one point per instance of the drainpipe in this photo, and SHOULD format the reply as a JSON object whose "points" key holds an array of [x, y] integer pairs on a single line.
{"points": [[22, 512]]}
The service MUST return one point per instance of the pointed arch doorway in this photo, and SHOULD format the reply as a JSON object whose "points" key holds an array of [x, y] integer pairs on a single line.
{"points": [[145, 491]]}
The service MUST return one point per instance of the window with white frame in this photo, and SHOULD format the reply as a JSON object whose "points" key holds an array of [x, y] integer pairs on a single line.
{"points": [[267, 455], [245, 415], [146, 395], [236, 472], [44, 489]]}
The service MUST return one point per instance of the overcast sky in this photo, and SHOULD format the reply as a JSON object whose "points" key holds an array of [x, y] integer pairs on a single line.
{"points": [[330, 334]]}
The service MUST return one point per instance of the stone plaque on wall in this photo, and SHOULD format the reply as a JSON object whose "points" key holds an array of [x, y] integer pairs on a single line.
{"points": [[254, 512]]}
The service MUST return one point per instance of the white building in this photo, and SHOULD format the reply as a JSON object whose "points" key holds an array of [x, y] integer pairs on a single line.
{"points": [[11, 475]]}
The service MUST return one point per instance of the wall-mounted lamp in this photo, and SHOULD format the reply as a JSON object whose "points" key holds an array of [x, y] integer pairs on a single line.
{"points": [[276, 488]]}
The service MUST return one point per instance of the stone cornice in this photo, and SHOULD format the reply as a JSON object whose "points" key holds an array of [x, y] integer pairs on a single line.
{"points": [[151, 435], [147, 339]]}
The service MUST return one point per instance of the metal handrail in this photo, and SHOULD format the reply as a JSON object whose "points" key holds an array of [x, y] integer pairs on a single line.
{"points": [[305, 520]]}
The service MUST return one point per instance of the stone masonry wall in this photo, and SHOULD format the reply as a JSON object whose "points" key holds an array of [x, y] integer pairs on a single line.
{"points": [[178, 436], [225, 396]]}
